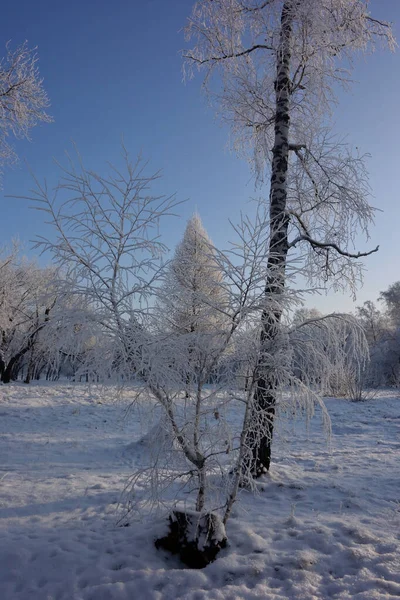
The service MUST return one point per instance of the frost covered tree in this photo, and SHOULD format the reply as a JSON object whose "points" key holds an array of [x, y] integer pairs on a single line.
{"points": [[330, 352], [382, 329], [23, 99], [391, 298], [195, 441], [192, 296], [192, 301], [373, 321], [280, 61], [388, 350], [27, 301], [106, 243]]}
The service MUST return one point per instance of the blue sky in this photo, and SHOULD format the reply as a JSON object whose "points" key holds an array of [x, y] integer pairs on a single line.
{"points": [[114, 69]]}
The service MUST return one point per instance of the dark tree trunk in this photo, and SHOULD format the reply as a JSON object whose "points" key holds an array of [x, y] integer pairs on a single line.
{"points": [[260, 436], [10, 371], [11, 368]]}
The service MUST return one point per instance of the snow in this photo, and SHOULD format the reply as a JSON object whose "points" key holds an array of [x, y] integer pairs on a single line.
{"points": [[324, 524]]}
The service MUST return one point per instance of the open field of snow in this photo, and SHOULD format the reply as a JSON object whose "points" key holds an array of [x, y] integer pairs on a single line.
{"points": [[325, 524]]}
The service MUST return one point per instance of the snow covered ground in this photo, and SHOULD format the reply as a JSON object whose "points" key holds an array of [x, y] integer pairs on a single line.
{"points": [[326, 523]]}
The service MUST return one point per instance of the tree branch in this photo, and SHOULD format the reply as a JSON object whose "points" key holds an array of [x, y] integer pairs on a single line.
{"points": [[249, 9], [316, 244], [225, 56], [378, 22], [296, 147]]}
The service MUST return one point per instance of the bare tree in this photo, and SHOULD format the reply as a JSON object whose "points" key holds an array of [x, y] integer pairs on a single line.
{"points": [[279, 61], [23, 99], [191, 350], [108, 247]]}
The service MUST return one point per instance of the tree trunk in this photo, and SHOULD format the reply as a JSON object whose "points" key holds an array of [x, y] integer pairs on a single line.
{"points": [[9, 371], [30, 369], [262, 422]]}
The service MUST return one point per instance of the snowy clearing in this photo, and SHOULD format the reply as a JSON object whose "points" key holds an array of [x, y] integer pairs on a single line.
{"points": [[326, 523]]}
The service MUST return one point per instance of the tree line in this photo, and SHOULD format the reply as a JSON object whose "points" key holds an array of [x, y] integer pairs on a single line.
{"points": [[46, 333]]}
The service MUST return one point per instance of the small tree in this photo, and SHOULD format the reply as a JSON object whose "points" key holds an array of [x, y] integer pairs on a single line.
{"points": [[23, 99], [195, 420], [373, 321], [108, 247], [206, 296]]}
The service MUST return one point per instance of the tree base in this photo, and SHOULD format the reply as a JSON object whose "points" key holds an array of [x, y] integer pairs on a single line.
{"points": [[197, 538]]}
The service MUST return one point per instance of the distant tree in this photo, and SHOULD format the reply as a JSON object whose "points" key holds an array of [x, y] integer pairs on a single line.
{"points": [[73, 344], [391, 298], [192, 295], [23, 99], [382, 329], [27, 301], [279, 61], [375, 324], [193, 303]]}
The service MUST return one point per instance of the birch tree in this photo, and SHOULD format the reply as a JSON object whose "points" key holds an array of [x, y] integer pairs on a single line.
{"points": [[280, 62]]}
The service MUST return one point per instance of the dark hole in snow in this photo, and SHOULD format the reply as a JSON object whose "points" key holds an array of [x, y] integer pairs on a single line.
{"points": [[196, 538]]}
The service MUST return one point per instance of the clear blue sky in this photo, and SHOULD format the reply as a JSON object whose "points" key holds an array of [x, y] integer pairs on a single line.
{"points": [[113, 69]]}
